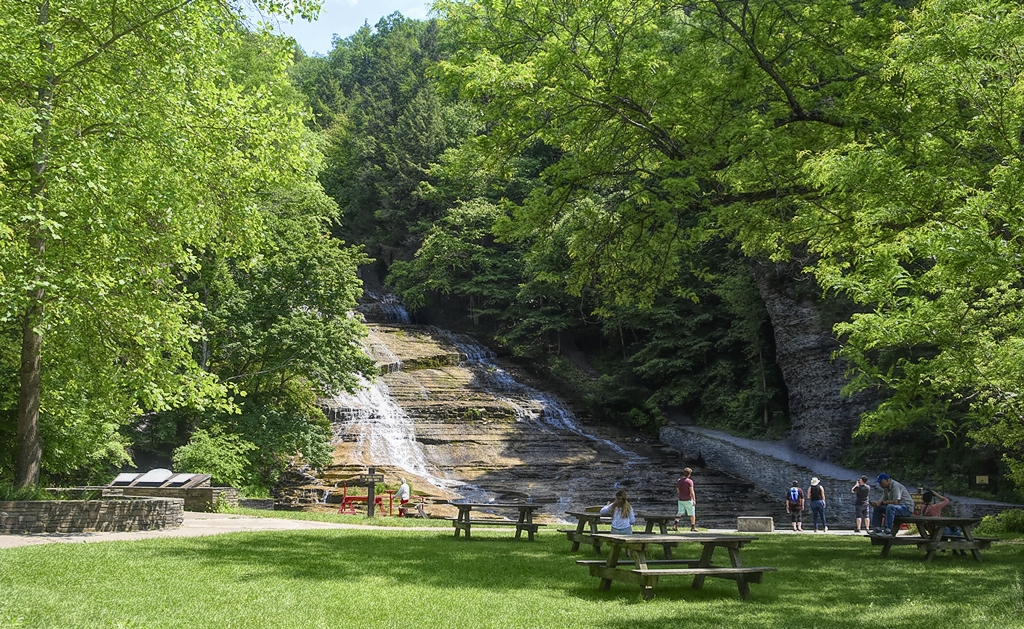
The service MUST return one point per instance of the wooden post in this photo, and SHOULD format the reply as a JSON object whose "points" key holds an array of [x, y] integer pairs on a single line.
{"points": [[370, 479]]}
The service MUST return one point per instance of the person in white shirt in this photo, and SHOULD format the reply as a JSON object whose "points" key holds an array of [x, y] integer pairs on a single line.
{"points": [[403, 496], [622, 514]]}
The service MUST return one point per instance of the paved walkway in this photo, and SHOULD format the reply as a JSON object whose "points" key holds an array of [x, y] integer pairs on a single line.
{"points": [[194, 525], [198, 524]]}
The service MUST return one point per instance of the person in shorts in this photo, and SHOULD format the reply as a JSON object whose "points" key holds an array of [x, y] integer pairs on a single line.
{"points": [[860, 492], [795, 505], [687, 500]]}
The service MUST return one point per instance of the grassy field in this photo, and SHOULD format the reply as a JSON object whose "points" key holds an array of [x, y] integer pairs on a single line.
{"points": [[382, 578], [316, 516]]}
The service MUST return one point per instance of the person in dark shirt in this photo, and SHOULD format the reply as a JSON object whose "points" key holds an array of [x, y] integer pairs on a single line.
{"points": [[816, 496], [860, 492], [795, 505]]}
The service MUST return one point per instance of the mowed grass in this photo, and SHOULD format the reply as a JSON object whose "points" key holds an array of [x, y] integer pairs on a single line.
{"points": [[361, 519], [382, 578]]}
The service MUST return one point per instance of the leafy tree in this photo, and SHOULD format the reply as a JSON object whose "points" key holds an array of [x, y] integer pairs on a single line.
{"points": [[880, 138], [459, 256], [390, 123], [125, 150], [924, 227], [222, 456]]}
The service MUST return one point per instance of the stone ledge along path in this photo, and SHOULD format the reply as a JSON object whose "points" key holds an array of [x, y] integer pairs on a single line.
{"points": [[458, 423]]}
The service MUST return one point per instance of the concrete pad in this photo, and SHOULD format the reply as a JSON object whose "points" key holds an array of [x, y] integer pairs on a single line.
{"points": [[755, 524]]}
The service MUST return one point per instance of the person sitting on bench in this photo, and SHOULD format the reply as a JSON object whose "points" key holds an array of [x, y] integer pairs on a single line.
{"points": [[934, 509], [896, 501]]}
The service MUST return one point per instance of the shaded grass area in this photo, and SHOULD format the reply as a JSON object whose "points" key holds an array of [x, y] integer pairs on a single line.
{"points": [[316, 516], [371, 578]]}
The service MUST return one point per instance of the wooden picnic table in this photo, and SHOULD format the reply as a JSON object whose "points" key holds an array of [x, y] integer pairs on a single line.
{"points": [[464, 521], [932, 536], [590, 520], [645, 572]]}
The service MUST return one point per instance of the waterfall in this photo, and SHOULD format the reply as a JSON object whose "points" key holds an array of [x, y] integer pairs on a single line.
{"points": [[382, 430], [497, 381], [388, 305]]}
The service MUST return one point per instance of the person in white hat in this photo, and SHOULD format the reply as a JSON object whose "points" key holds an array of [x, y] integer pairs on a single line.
{"points": [[816, 500]]}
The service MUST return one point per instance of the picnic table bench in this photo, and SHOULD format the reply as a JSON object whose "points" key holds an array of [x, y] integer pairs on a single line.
{"points": [[464, 521], [587, 523], [348, 503], [646, 572], [932, 536]]}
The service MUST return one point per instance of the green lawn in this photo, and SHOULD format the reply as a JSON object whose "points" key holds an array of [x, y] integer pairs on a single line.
{"points": [[428, 579]]}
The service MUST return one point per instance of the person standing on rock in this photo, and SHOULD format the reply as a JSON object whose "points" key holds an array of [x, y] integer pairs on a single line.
{"points": [[687, 500], [622, 514], [860, 492], [403, 496], [816, 494], [795, 505]]}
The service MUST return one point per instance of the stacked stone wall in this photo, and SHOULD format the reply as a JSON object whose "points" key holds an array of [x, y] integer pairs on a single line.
{"points": [[84, 516], [775, 476], [196, 499]]}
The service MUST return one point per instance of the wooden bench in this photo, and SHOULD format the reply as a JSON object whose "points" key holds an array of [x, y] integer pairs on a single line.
{"points": [[465, 525], [464, 522], [646, 572], [647, 578], [693, 563], [932, 536]]}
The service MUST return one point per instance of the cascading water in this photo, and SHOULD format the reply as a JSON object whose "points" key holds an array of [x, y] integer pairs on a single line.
{"points": [[384, 307], [552, 415], [383, 432]]}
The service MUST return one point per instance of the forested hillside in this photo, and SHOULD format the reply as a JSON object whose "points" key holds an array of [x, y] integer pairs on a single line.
{"points": [[773, 217], [763, 216]]}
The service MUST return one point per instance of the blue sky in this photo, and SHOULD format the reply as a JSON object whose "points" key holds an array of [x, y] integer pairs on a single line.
{"points": [[344, 17]]}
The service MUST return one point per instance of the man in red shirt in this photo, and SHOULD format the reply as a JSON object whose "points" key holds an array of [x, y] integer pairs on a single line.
{"points": [[687, 499]]}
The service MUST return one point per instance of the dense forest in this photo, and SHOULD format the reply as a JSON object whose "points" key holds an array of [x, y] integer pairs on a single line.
{"points": [[778, 218]]}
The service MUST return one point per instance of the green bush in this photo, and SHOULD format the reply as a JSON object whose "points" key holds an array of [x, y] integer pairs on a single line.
{"points": [[33, 492], [1009, 521], [214, 452]]}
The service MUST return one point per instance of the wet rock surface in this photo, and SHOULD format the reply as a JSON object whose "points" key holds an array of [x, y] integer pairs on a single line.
{"points": [[464, 427]]}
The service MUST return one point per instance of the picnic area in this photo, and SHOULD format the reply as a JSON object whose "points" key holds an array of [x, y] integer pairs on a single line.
{"points": [[425, 578]]}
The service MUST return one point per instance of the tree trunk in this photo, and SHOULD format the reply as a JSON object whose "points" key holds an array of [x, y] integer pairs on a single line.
{"points": [[822, 419], [30, 444]]}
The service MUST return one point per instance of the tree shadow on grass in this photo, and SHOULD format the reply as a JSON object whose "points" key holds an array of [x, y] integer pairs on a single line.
{"points": [[424, 558]]}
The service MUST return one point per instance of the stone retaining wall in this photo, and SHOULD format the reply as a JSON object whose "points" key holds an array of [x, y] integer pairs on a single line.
{"points": [[82, 516], [266, 504], [775, 476], [196, 499]]}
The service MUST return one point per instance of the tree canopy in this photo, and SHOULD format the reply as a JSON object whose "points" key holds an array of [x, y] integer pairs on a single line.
{"points": [[878, 142], [133, 145]]}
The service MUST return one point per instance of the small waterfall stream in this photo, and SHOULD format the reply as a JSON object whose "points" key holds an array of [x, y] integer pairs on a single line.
{"points": [[552, 415], [383, 432]]}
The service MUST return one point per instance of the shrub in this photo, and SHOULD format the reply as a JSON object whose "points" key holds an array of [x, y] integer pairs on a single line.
{"points": [[33, 492], [213, 452], [1009, 521]]}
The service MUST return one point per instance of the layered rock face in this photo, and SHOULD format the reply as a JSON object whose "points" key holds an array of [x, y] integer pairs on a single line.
{"points": [[823, 420], [457, 423]]}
